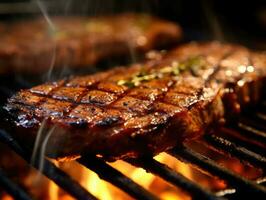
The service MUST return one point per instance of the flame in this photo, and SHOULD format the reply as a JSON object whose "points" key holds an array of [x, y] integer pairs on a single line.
{"points": [[51, 28], [7, 197], [46, 189], [172, 162], [53, 190], [95, 185], [106, 191]]}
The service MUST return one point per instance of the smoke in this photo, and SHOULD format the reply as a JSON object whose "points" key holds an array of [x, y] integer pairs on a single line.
{"points": [[43, 134], [37, 143], [45, 15], [40, 145], [52, 31], [43, 148], [213, 21], [88, 8]]}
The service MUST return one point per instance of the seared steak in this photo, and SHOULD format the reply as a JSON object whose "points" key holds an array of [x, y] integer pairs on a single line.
{"points": [[144, 109], [34, 46]]}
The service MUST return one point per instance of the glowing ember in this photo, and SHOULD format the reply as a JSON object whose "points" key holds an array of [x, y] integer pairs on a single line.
{"points": [[42, 188], [97, 187]]}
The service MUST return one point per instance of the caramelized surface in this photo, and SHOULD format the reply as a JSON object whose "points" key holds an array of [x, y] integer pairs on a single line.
{"points": [[99, 115]]}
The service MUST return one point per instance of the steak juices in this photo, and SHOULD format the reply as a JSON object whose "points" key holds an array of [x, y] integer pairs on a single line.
{"points": [[144, 109]]}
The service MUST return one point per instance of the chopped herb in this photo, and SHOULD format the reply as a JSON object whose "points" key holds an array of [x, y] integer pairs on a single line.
{"points": [[193, 64], [126, 83], [121, 82]]}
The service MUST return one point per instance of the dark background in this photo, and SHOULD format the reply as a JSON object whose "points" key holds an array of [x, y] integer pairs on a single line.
{"points": [[228, 20]]}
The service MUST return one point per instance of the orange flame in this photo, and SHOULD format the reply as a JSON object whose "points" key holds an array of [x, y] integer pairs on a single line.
{"points": [[106, 191], [95, 185], [53, 191], [46, 189]]}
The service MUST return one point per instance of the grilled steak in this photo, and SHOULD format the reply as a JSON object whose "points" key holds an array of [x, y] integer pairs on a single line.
{"points": [[144, 109], [33, 46]]}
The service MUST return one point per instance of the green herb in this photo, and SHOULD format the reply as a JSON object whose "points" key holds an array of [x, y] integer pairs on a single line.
{"points": [[193, 64], [126, 83]]}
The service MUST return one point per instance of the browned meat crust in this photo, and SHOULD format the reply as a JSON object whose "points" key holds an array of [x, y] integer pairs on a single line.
{"points": [[144, 109], [33, 46]]}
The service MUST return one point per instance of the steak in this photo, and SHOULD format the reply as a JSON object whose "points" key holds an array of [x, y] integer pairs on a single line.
{"points": [[34, 46], [144, 109]]}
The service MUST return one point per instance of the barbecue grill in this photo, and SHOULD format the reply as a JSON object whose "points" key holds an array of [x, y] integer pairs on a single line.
{"points": [[244, 140]]}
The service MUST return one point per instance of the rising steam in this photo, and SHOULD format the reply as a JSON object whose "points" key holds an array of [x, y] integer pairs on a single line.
{"points": [[52, 31], [43, 136], [40, 146]]}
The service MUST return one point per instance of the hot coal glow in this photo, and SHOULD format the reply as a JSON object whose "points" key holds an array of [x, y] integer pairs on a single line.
{"points": [[42, 188]]}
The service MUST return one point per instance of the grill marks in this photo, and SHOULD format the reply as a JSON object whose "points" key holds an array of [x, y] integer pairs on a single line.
{"points": [[64, 100], [98, 97], [68, 93], [53, 107], [152, 116], [138, 101]]}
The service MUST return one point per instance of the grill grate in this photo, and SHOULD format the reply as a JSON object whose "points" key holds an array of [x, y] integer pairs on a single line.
{"points": [[225, 146], [12, 188], [110, 174], [173, 177], [207, 165], [49, 169], [244, 141]]}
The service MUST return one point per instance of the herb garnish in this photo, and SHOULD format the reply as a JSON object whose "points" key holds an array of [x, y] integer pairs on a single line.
{"points": [[192, 64]]}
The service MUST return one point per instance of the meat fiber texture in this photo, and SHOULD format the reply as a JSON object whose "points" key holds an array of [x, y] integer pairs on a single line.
{"points": [[78, 42], [144, 109]]}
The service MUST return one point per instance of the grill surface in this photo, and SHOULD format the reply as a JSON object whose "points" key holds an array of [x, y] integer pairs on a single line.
{"points": [[244, 140]]}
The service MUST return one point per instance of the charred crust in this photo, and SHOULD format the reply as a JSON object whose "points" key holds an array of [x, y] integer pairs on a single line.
{"points": [[128, 124], [80, 123], [108, 121]]}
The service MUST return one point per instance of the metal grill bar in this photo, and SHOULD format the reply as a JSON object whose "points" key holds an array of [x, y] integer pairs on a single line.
{"points": [[50, 170], [261, 180], [110, 174], [242, 185], [11, 188], [250, 144], [115, 177], [231, 192], [173, 177], [261, 116], [251, 132], [235, 150]]}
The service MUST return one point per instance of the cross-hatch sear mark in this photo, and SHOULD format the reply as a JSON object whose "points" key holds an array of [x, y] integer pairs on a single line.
{"points": [[173, 100]]}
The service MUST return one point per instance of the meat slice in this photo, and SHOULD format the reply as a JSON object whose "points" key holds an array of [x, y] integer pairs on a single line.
{"points": [[35, 46], [141, 110]]}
